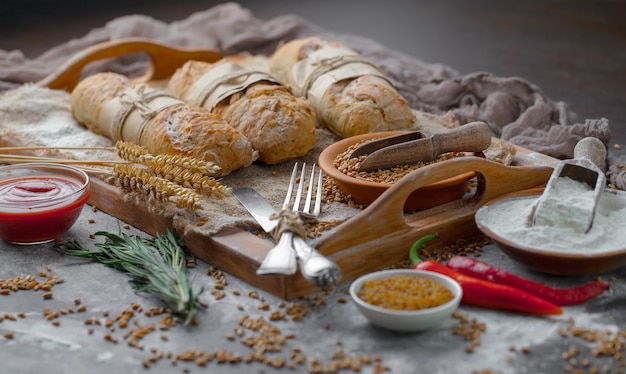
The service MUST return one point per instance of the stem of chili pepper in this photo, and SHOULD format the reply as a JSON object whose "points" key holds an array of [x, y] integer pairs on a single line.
{"points": [[558, 296], [482, 293], [419, 244]]}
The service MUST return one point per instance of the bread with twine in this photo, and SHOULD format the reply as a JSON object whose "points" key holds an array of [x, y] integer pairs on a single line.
{"points": [[109, 104], [279, 125], [350, 95]]}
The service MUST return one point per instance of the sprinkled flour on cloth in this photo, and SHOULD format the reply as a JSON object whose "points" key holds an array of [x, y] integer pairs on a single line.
{"points": [[40, 117]]}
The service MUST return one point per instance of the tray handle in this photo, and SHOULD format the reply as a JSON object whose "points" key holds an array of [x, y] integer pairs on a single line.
{"points": [[385, 223], [164, 60]]}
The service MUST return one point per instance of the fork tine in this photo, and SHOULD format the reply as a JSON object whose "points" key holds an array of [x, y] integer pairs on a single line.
{"points": [[292, 182], [313, 188], [296, 203], [309, 193], [318, 195]]}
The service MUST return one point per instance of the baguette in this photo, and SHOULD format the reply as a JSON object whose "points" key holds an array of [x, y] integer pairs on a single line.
{"points": [[109, 104], [350, 95], [279, 125]]}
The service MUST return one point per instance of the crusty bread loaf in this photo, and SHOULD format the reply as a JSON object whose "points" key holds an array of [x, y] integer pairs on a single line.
{"points": [[109, 104], [350, 95], [89, 98], [279, 125]]}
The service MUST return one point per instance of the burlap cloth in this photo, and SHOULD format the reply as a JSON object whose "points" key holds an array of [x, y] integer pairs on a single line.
{"points": [[515, 109]]}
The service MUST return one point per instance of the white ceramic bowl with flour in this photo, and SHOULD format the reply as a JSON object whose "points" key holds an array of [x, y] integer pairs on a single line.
{"points": [[557, 249]]}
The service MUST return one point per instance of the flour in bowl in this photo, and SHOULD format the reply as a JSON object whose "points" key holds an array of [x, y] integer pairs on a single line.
{"points": [[508, 219], [569, 203]]}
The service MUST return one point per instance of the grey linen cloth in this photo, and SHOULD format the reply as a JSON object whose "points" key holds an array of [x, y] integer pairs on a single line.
{"points": [[515, 109]]}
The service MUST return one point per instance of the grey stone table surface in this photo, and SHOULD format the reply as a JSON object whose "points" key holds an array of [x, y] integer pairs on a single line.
{"points": [[88, 336], [573, 50]]}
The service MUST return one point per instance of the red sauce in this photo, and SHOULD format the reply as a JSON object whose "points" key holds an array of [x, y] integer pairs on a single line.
{"points": [[37, 209]]}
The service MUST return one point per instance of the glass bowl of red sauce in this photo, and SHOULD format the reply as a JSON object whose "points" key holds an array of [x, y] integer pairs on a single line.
{"points": [[40, 201]]}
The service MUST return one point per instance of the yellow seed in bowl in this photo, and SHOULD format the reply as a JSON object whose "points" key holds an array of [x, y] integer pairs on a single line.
{"points": [[405, 293]]}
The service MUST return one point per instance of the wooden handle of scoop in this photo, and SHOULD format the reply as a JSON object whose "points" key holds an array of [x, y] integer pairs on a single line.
{"points": [[472, 137], [385, 227], [164, 60], [592, 149]]}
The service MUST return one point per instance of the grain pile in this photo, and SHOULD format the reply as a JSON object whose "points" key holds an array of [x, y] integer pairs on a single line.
{"points": [[594, 351], [264, 340], [471, 329], [471, 246], [30, 282], [350, 166], [258, 331]]}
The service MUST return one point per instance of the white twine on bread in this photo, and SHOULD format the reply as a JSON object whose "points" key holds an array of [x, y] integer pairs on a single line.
{"points": [[129, 112], [221, 82], [326, 66]]}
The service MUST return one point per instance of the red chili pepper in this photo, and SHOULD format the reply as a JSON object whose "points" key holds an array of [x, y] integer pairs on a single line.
{"points": [[482, 293], [558, 296]]}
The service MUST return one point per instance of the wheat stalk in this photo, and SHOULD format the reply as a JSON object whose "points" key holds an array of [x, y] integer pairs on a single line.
{"points": [[131, 152], [139, 154], [90, 167], [186, 178], [17, 159], [165, 178], [48, 148], [185, 171], [139, 180]]}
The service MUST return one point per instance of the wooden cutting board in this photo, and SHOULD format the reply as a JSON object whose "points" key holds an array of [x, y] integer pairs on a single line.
{"points": [[376, 238], [390, 232]]}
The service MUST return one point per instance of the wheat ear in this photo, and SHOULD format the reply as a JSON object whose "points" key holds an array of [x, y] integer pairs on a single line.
{"points": [[139, 180], [186, 178], [136, 153]]}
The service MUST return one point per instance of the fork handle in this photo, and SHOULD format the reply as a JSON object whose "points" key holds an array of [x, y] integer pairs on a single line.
{"points": [[281, 259], [315, 267]]}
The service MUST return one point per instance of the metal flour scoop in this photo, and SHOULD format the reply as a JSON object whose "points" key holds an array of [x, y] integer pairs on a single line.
{"points": [[573, 209]]}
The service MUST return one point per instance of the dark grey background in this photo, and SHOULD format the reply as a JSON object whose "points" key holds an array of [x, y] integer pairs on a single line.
{"points": [[574, 50]]}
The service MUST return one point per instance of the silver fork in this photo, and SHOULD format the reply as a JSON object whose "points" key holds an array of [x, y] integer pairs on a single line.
{"points": [[314, 267], [282, 259], [291, 248]]}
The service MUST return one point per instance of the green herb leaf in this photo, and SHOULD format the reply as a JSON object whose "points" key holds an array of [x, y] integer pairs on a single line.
{"points": [[156, 266]]}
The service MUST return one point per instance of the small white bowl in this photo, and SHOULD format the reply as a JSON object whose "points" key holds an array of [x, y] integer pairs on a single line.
{"points": [[407, 320]]}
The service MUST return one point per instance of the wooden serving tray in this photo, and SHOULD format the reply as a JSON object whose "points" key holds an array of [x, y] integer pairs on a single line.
{"points": [[377, 237]]}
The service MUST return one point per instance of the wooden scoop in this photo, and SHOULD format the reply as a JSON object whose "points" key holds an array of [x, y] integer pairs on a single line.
{"points": [[416, 146], [589, 157]]}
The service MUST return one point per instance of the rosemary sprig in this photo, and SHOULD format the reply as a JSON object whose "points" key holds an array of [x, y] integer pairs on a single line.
{"points": [[156, 266]]}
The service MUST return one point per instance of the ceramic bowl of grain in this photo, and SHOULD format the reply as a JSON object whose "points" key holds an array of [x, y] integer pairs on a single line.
{"points": [[363, 188], [557, 250], [405, 299]]}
